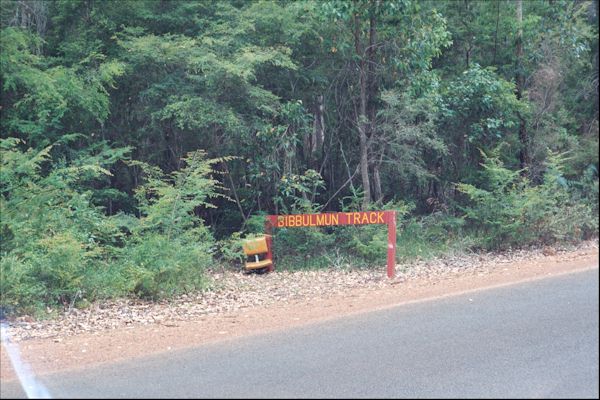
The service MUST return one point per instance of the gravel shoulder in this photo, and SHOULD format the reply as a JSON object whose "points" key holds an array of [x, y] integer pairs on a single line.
{"points": [[242, 305]]}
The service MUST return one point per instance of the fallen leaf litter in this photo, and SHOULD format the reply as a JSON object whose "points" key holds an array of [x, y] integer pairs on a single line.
{"points": [[235, 290]]}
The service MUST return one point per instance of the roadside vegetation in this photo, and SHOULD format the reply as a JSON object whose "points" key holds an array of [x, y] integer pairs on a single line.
{"points": [[142, 141]]}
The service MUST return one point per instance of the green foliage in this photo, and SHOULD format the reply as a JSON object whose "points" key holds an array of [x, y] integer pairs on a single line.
{"points": [[52, 235], [231, 251], [170, 246], [562, 215], [57, 247], [167, 204], [302, 248], [586, 189], [103, 105], [483, 103], [367, 245], [294, 191], [507, 211], [409, 125], [20, 292], [354, 201], [42, 101], [479, 111], [434, 235], [414, 48], [341, 246], [157, 266]]}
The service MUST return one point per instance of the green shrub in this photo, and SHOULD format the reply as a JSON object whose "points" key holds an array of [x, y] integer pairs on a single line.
{"points": [[19, 291], [59, 264], [170, 248], [230, 250], [508, 211], [424, 237], [302, 248], [52, 235], [59, 249], [367, 244], [159, 267], [585, 192]]}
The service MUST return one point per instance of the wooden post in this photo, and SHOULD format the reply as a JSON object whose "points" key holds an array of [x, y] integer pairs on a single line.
{"points": [[391, 255], [269, 237]]}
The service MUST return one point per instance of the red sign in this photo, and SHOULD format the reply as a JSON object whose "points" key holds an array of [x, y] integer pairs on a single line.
{"points": [[340, 218], [328, 219]]}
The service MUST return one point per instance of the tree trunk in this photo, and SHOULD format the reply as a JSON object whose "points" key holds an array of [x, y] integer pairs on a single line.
{"points": [[496, 32], [372, 89], [320, 126], [362, 122], [313, 141], [597, 77], [468, 35], [377, 184], [30, 14], [364, 156], [520, 83], [377, 179]]}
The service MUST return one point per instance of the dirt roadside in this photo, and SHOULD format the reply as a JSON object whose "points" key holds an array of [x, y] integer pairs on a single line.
{"points": [[60, 353]]}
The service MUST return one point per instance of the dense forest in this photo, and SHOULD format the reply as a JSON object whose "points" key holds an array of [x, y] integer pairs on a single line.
{"points": [[142, 140]]}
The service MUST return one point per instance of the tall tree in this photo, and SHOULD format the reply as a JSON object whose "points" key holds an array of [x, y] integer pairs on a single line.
{"points": [[364, 48], [392, 42], [520, 85]]}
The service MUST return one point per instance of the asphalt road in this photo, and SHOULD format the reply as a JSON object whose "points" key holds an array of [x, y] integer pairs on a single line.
{"points": [[531, 340]]}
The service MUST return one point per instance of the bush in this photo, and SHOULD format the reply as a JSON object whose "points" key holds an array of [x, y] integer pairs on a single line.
{"points": [[424, 237], [158, 267], [231, 251], [52, 235], [302, 248], [508, 211], [170, 247], [19, 291], [367, 245], [59, 248]]}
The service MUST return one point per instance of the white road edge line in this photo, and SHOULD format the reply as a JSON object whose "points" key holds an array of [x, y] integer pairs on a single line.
{"points": [[33, 389]]}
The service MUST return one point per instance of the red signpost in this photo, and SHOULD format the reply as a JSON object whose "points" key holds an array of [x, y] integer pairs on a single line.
{"points": [[340, 218]]}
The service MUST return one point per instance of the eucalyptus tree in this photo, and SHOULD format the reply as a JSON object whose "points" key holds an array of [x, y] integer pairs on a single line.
{"points": [[388, 44], [552, 67]]}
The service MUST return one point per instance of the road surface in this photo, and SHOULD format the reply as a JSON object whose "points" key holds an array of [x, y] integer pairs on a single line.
{"points": [[537, 339]]}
